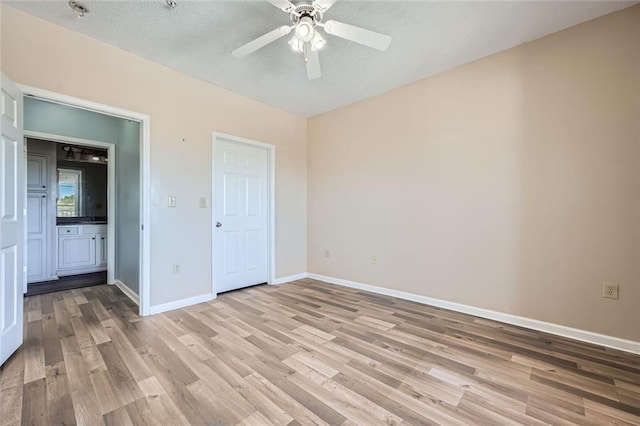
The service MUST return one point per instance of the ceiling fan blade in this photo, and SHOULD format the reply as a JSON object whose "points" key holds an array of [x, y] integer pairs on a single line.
{"points": [[359, 35], [285, 5], [261, 41], [313, 65], [323, 5]]}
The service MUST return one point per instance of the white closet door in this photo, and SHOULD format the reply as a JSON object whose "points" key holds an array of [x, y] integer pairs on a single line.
{"points": [[241, 212], [36, 237], [37, 172]]}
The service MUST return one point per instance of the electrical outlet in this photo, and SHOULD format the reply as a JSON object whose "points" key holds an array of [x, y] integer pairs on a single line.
{"points": [[176, 268], [374, 260], [172, 200], [610, 290], [327, 253], [203, 202]]}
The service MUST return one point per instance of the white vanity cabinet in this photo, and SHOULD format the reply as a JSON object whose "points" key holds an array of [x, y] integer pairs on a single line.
{"points": [[82, 249]]}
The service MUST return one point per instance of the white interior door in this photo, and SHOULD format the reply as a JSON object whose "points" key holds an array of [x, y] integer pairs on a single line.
{"points": [[241, 215], [12, 191]]}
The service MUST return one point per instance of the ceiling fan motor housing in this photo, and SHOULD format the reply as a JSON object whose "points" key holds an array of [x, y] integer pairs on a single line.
{"points": [[305, 10]]}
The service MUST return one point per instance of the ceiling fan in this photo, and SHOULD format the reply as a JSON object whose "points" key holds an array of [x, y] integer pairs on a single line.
{"points": [[306, 18]]}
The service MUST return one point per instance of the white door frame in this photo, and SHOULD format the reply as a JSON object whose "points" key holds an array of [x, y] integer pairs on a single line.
{"points": [[271, 201], [111, 190], [145, 178]]}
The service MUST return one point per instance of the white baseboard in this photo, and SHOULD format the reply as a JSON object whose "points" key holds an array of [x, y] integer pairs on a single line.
{"points": [[290, 278], [182, 303], [547, 327], [126, 290]]}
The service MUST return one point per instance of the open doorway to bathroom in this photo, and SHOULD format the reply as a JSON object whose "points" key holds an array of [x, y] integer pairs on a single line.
{"points": [[68, 198], [82, 233]]}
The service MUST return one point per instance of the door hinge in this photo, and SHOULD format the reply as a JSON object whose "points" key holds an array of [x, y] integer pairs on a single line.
{"points": [[24, 269], [142, 227]]}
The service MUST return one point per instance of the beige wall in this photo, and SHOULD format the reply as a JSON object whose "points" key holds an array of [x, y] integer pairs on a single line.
{"points": [[40, 54], [511, 184]]}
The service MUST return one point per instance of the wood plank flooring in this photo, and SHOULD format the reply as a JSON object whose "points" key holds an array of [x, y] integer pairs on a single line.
{"points": [[302, 353]]}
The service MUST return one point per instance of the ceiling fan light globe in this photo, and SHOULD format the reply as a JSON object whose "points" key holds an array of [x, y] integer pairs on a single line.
{"points": [[318, 42], [304, 29], [296, 44]]}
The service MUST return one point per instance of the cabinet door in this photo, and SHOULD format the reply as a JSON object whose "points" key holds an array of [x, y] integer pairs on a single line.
{"points": [[103, 252], [36, 172], [76, 251], [36, 237]]}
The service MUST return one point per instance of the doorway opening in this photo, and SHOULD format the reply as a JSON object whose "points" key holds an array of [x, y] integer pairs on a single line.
{"points": [[128, 215], [70, 213]]}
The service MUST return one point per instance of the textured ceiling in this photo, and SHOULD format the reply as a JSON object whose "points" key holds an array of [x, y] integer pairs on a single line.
{"points": [[197, 38]]}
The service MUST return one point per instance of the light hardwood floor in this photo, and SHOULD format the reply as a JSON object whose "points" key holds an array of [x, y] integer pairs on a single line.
{"points": [[302, 353]]}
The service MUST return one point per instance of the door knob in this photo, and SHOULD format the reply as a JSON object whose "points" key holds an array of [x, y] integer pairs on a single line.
{"points": [[218, 224]]}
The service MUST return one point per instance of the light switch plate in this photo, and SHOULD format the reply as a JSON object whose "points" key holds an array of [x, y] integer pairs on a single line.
{"points": [[203, 202], [172, 200]]}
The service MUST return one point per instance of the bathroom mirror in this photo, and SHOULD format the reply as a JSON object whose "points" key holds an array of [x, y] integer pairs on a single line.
{"points": [[82, 186]]}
